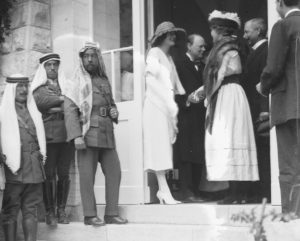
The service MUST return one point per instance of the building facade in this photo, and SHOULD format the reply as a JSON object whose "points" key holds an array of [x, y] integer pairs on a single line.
{"points": [[122, 27]]}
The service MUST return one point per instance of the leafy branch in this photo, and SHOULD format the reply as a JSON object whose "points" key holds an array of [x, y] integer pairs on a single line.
{"points": [[257, 222]]}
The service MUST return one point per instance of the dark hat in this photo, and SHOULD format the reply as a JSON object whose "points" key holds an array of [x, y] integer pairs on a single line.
{"points": [[48, 57], [17, 78], [165, 27]]}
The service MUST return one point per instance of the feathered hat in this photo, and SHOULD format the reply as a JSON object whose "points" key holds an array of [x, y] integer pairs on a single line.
{"points": [[224, 19]]}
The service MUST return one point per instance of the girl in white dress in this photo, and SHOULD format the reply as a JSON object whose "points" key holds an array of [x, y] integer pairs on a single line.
{"points": [[229, 141], [160, 109]]}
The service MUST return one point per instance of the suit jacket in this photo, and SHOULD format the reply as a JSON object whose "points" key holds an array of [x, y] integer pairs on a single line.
{"points": [[191, 119], [281, 75], [254, 66]]}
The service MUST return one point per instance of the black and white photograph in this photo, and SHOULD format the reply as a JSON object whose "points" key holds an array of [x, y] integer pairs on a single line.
{"points": [[149, 120]]}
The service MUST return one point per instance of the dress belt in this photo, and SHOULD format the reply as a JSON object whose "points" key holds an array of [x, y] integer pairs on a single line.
{"points": [[232, 79], [235, 78]]}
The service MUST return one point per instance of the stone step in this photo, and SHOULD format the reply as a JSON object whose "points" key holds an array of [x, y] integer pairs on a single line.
{"points": [[185, 214], [144, 232]]}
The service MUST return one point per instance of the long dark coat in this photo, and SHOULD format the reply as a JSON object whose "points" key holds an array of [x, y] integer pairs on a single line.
{"points": [[281, 75], [254, 66], [189, 146]]}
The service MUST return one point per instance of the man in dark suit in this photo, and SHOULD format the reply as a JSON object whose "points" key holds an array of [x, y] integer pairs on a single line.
{"points": [[281, 78], [255, 32], [189, 147]]}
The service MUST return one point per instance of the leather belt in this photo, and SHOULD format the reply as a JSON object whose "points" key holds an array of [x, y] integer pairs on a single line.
{"points": [[103, 111], [58, 115], [54, 116]]}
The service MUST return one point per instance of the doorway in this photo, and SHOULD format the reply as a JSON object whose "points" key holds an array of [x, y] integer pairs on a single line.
{"points": [[192, 15]]}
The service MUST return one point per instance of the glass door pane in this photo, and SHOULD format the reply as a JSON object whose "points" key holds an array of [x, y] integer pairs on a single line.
{"points": [[113, 30]]}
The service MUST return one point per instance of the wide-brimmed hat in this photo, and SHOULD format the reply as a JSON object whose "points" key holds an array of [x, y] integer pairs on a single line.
{"points": [[224, 19], [165, 27]]}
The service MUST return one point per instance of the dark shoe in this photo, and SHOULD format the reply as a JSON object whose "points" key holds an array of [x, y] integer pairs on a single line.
{"points": [[30, 229], [10, 231], [49, 192], [62, 196], [62, 216], [193, 199], [116, 219], [228, 200], [50, 219], [94, 221]]}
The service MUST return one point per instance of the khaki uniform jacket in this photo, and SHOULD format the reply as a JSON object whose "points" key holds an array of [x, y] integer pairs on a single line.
{"points": [[49, 103], [30, 170], [101, 132]]}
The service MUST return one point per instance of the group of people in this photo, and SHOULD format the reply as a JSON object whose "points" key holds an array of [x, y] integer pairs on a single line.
{"points": [[41, 127], [211, 116]]}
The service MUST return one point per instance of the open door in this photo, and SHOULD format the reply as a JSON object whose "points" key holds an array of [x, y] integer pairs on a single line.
{"points": [[123, 52]]}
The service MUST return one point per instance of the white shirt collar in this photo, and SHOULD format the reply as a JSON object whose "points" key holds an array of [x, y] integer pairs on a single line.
{"points": [[291, 11], [189, 56], [260, 42]]}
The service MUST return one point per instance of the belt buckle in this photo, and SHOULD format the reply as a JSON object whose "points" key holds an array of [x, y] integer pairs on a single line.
{"points": [[103, 111]]}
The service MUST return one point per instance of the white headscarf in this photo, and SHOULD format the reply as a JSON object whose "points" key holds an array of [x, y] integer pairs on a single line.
{"points": [[40, 77], [10, 134], [80, 89]]}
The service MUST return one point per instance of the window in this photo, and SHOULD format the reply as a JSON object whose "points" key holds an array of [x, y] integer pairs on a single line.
{"points": [[113, 30]]}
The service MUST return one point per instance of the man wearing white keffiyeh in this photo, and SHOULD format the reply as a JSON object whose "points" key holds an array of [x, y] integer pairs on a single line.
{"points": [[23, 143], [49, 86], [90, 112]]}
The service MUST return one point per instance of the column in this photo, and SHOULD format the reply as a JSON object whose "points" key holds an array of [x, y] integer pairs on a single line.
{"points": [[30, 37], [273, 17]]}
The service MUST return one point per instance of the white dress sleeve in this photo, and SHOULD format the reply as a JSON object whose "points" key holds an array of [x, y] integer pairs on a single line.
{"points": [[231, 64]]}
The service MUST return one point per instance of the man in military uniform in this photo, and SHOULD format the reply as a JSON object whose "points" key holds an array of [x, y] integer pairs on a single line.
{"points": [[24, 145], [48, 87], [90, 112]]}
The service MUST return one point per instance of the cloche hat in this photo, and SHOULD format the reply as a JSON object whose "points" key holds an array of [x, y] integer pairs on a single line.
{"points": [[165, 27]]}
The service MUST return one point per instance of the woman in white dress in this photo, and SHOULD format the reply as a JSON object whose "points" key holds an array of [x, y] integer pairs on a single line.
{"points": [[160, 109], [229, 140]]}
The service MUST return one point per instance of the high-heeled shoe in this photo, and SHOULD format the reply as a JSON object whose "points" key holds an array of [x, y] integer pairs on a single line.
{"points": [[165, 198]]}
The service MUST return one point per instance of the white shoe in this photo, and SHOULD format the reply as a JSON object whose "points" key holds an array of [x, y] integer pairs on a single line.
{"points": [[166, 198]]}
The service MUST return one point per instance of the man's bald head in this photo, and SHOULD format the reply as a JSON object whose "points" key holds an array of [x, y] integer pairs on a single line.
{"points": [[255, 30], [196, 46]]}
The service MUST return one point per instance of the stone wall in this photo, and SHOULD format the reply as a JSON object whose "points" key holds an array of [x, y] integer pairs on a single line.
{"points": [[29, 39]]}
